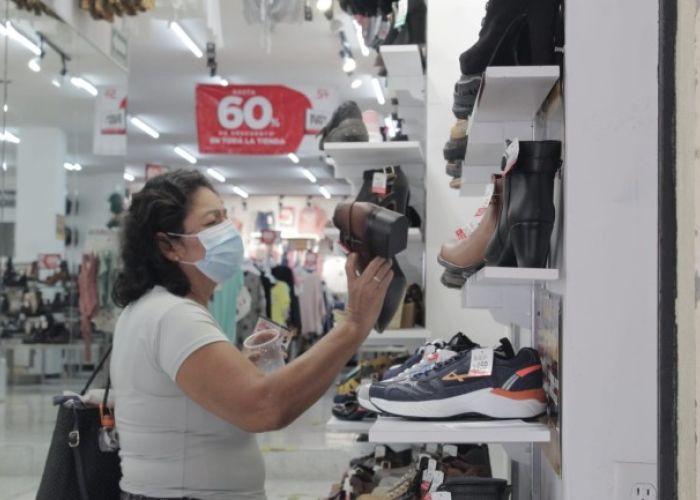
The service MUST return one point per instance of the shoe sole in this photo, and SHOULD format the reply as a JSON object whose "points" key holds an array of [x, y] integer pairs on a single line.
{"points": [[465, 272], [451, 280], [367, 405], [465, 93], [489, 402]]}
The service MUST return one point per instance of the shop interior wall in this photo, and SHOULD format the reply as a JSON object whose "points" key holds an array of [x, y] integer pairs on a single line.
{"points": [[609, 363], [453, 26]]}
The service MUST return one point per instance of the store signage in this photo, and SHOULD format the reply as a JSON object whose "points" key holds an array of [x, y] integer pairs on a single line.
{"points": [[250, 119], [110, 122], [49, 261]]}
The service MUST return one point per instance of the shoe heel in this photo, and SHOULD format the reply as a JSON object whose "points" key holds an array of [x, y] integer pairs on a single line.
{"points": [[530, 243], [387, 232]]}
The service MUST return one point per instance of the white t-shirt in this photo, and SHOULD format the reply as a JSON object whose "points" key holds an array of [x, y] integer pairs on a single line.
{"points": [[171, 446]]}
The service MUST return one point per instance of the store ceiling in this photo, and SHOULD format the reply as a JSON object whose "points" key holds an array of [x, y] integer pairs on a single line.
{"points": [[163, 75]]}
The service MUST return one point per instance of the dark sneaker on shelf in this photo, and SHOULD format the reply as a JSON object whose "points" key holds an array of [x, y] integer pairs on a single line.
{"points": [[456, 146], [345, 125], [459, 387]]}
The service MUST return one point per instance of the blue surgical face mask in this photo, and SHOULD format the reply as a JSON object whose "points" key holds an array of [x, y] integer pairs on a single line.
{"points": [[224, 251]]}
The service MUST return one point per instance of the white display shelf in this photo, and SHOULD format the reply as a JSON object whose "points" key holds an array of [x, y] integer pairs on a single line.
{"points": [[507, 104], [507, 292], [349, 426], [414, 234], [353, 158], [404, 68], [407, 339], [395, 430], [514, 93], [492, 275]]}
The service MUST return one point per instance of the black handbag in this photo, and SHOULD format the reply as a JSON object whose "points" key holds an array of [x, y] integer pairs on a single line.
{"points": [[76, 467]]}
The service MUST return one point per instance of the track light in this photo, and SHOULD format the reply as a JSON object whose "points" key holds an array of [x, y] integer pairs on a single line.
{"points": [[22, 39], [128, 177], [240, 192], [72, 167], [186, 39], [35, 64], [356, 83], [307, 173], [293, 157], [349, 64], [223, 81], [56, 83], [324, 5], [4, 166], [144, 127], [324, 192], [216, 175], [185, 154], [83, 84], [8, 136], [5, 108], [378, 91]]}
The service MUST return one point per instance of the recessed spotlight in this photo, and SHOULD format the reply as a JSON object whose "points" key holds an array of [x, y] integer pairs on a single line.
{"points": [[309, 175], [128, 177], [324, 5], [293, 157], [83, 84], [35, 64], [186, 39], [349, 64], [216, 175], [356, 83], [185, 154], [144, 127], [324, 192]]}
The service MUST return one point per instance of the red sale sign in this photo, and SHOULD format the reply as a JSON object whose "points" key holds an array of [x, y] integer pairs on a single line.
{"points": [[250, 119]]}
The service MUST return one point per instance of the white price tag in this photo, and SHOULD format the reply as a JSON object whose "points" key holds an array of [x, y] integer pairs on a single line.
{"points": [[347, 487], [481, 363], [401, 14], [431, 448], [380, 451], [466, 231], [379, 183], [438, 479], [440, 495], [429, 473], [449, 450], [511, 155]]}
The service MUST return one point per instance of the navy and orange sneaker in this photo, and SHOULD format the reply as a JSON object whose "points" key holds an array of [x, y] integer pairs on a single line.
{"points": [[453, 389]]}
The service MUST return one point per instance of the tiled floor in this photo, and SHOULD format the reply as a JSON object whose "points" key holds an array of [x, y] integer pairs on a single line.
{"points": [[302, 461]]}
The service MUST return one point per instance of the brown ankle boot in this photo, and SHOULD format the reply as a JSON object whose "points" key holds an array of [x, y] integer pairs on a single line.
{"points": [[372, 231], [466, 256]]}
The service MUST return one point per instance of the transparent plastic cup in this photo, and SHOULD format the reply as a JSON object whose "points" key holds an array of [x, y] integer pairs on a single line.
{"points": [[266, 347]]}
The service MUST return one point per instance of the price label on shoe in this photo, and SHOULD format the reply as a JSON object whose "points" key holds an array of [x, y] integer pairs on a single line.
{"points": [[511, 155], [481, 363], [438, 479], [401, 14], [449, 450], [439, 495], [464, 232], [379, 183], [380, 452]]}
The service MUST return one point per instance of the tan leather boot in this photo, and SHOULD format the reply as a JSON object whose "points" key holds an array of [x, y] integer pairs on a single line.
{"points": [[467, 256]]}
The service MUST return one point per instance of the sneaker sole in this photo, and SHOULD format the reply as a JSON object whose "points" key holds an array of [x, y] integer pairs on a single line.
{"points": [[465, 272], [451, 280], [489, 402], [367, 405]]}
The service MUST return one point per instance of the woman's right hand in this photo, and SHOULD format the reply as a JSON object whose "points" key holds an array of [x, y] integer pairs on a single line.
{"points": [[366, 292]]}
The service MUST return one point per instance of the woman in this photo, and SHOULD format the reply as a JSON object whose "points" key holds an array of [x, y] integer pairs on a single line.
{"points": [[187, 401]]}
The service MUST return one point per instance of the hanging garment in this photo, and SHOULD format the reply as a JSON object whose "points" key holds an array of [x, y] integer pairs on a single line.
{"points": [[311, 302], [264, 220], [89, 298], [281, 301], [223, 305], [312, 220], [247, 319], [285, 274]]}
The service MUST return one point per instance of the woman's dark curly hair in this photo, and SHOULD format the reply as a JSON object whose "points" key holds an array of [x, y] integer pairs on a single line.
{"points": [[160, 207]]}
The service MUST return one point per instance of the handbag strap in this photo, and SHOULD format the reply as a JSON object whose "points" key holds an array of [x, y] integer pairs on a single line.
{"points": [[97, 370], [74, 444]]}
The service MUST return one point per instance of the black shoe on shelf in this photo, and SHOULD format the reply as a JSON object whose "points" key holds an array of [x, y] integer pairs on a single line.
{"points": [[527, 218]]}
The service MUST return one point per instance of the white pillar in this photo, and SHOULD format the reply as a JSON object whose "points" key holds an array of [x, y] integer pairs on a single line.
{"points": [[41, 192]]}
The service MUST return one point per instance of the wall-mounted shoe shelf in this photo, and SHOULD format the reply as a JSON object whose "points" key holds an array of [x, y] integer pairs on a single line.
{"points": [[353, 158], [408, 339], [395, 430], [414, 234], [349, 426], [507, 105], [507, 292], [404, 69]]}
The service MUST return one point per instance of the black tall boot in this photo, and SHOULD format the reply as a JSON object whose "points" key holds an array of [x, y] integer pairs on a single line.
{"points": [[527, 218], [513, 33]]}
